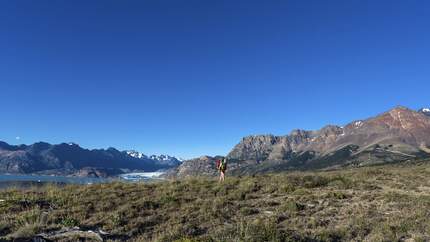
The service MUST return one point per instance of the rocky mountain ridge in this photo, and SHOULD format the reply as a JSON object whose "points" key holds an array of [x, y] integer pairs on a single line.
{"points": [[399, 125], [397, 135]]}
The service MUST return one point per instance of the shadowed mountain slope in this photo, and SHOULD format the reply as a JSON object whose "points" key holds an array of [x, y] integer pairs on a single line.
{"points": [[70, 158]]}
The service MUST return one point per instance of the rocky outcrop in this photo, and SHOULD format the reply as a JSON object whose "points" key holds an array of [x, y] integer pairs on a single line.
{"points": [[206, 166], [202, 166], [68, 234], [257, 147], [97, 172]]}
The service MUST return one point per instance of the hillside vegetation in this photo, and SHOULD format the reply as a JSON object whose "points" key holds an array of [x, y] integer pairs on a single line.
{"points": [[383, 203]]}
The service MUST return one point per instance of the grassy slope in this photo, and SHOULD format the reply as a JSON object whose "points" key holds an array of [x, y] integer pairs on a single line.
{"points": [[374, 203]]}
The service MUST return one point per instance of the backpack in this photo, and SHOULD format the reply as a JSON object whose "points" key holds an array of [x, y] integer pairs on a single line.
{"points": [[223, 165], [218, 164]]}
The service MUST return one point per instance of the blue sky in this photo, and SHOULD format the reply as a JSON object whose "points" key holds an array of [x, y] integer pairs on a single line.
{"points": [[192, 77]]}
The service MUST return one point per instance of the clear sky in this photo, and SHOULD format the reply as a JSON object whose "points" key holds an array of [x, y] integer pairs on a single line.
{"points": [[191, 77]]}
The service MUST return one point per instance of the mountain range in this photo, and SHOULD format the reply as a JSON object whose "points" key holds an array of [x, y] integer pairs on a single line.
{"points": [[400, 134], [71, 159]]}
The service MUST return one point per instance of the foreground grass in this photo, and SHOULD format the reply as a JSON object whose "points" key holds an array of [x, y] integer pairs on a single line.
{"points": [[387, 203]]}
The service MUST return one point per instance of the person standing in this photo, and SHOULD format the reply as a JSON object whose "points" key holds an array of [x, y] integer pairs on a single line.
{"points": [[222, 167]]}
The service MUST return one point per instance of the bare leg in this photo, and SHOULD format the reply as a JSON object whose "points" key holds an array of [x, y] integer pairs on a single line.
{"points": [[222, 177]]}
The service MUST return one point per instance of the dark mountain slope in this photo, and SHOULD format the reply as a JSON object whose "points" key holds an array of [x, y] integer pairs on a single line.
{"points": [[70, 158]]}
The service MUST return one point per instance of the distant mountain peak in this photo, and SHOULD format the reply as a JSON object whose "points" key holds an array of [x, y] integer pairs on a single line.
{"points": [[136, 154], [165, 159], [162, 159], [401, 108], [425, 111], [358, 123]]}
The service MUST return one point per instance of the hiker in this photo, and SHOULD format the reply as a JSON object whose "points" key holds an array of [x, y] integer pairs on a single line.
{"points": [[222, 167]]}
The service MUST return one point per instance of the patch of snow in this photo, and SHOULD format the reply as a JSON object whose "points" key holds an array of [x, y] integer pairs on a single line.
{"points": [[358, 124], [103, 232], [401, 121], [426, 110]]}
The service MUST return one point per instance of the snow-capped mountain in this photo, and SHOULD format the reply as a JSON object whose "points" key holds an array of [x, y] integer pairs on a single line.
{"points": [[166, 159], [71, 159], [136, 154], [162, 157], [425, 111], [159, 159]]}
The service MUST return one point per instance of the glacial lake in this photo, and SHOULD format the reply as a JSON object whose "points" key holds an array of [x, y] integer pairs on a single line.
{"points": [[9, 180]]}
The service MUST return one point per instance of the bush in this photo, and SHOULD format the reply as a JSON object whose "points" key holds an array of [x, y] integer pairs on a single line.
{"points": [[288, 188], [163, 200], [248, 211], [4, 228], [301, 192], [292, 206], [69, 222], [27, 231], [331, 234], [337, 195], [341, 182], [259, 230], [308, 181], [314, 181]]}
